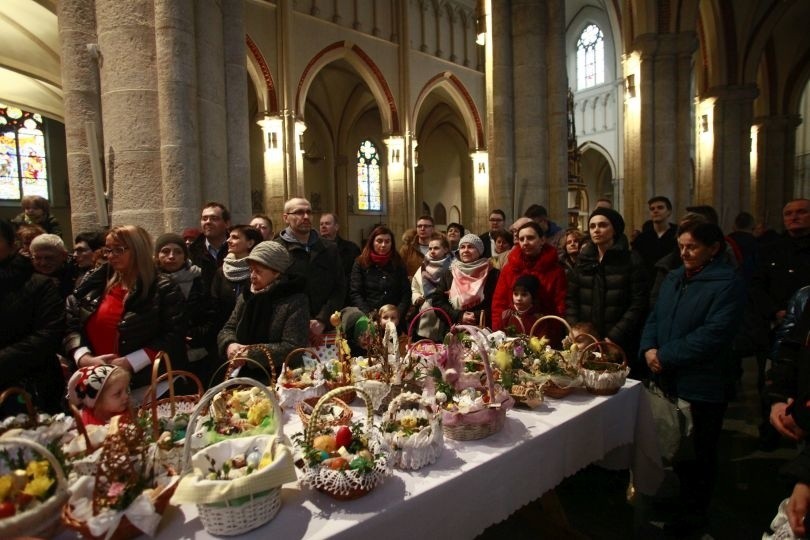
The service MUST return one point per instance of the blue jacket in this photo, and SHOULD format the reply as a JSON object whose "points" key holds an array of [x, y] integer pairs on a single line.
{"points": [[692, 325]]}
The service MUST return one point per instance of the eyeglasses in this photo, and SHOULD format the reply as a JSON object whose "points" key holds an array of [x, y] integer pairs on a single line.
{"points": [[300, 212], [117, 251]]}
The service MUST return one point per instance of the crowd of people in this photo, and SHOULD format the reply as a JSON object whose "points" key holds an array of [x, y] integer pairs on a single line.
{"points": [[685, 301]]}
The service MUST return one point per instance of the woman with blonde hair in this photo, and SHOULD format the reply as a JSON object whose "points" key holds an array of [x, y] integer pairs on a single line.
{"points": [[124, 312]]}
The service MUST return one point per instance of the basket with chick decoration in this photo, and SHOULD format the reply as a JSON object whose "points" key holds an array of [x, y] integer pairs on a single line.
{"points": [[236, 483], [296, 385], [413, 428], [604, 368], [32, 492], [470, 411], [345, 463], [560, 367]]}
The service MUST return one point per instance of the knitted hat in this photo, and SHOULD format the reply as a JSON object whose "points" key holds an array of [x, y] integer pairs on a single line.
{"points": [[271, 254], [528, 282], [86, 384], [353, 323], [474, 240], [613, 216], [171, 238]]}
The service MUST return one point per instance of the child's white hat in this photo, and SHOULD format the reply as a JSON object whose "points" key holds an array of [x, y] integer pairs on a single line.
{"points": [[86, 384]]}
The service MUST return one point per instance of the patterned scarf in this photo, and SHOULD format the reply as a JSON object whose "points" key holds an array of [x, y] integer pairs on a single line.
{"points": [[432, 271], [235, 269], [469, 279]]}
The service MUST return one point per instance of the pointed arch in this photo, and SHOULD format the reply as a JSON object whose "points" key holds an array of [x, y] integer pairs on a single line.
{"points": [[256, 64], [463, 101], [590, 145], [365, 67]]}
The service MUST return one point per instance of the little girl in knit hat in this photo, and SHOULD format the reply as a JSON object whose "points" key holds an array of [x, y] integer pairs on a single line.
{"points": [[99, 392]]}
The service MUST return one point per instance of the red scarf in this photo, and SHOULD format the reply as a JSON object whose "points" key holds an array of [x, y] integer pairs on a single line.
{"points": [[380, 260]]}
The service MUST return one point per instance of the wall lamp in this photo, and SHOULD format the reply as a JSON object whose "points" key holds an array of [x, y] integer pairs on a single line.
{"points": [[630, 85]]}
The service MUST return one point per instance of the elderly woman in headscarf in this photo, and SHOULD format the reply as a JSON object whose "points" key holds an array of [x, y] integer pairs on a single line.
{"points": [[465, 292], [273, 311]]}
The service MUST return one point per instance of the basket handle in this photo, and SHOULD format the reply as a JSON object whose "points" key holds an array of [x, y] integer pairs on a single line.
{"points": [[44, 452], [478, 336], [404, 397], [228, 365], [26, 397], [153, 404], [311, 427], [151, 394], [550, 318], [428, 310], [77, 417], [309, 350], [606, 344], [264, 349], [206, 399]]}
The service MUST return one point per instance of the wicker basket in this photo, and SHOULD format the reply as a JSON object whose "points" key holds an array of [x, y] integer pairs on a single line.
{"points": [[42, 520], [483, 422], [267, 367], [346, 484], [343, 418], [290, 393], [551, 388], [603, 378], [236, 516], [414, 451]]}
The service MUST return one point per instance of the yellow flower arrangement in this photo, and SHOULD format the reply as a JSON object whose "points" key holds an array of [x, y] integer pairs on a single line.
{"points": [[37, 468], [5, 486], [39, 486]]}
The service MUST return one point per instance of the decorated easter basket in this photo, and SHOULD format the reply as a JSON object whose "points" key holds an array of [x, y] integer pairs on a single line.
{"points": [[230, 366], [335, 413], [603, 376], [168, 417], [475, 413], [228, 507], [51, 431], [42, 518], [557, 387], [294, 386], [413, 429], [126, 472], [327, 467]]}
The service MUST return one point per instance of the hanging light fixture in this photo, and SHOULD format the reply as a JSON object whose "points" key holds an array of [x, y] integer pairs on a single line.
{"points": [[480, 23]]}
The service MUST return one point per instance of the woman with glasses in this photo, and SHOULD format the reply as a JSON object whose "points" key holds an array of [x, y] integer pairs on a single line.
{"points": [[125, 312], [379, 276]]}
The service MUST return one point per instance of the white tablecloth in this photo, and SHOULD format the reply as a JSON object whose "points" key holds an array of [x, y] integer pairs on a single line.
{"points": [[477, 483]]}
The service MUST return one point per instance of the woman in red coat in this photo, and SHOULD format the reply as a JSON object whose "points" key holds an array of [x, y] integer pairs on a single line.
{"points": [[535, 257]]}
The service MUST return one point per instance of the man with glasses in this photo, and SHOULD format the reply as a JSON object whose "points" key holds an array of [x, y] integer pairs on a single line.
{"points": [[415, 252], [317, 261], [209, 249], [497, 222]]}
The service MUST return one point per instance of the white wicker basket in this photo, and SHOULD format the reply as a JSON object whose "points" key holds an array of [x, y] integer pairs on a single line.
{"points": [[416, 450]]}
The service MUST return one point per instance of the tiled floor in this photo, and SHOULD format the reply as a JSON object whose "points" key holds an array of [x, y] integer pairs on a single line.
{"points": [[593, 503]]}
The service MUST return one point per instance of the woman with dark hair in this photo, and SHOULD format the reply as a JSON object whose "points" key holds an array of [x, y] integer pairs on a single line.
{"points": [[124, 312], [454, 233], [234, 275], [609, 284], [537, 257], [504, 242], [379, 275], [685, 343], [33, 315], [569, 247]]}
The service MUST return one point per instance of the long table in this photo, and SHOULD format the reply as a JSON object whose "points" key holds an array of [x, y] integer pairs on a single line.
{"points": [[474, 484]]}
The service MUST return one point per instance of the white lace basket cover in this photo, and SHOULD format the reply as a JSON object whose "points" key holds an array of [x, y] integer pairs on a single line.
{"points": [[342, 484], [418, 449]]}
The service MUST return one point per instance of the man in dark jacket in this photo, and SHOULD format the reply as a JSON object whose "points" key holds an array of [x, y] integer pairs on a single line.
{"points": [[318, 261], [209, 249], [348, 250], [657, 238], [497, 222]]}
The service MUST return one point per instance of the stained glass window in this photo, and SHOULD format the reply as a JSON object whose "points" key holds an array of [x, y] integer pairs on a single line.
{"points": [[23, 170], [590, 57], [369, 188]]}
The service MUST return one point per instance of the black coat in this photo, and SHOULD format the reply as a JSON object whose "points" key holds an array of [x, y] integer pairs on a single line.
{"points": [[783, 267], [224, 293], [200, 256], [651, 247], [156, 322], [373, 287], [32, 317], [611, 294]]}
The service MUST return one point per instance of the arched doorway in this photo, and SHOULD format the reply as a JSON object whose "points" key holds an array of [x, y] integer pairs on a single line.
{"points": [[597, 173]]}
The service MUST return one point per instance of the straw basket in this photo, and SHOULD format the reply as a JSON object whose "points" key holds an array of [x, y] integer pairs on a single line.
{"points": [[483, 422], [291, 392], [341, 413], [419, 448], [245, 512], [168, 408], [551, 388], [43, 519], [602, 377], [346, 484], [266, 367]]}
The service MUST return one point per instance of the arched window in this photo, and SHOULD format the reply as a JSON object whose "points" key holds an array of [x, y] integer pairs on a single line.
{"points": [[590, 57], [369, 188], [23, 170]]}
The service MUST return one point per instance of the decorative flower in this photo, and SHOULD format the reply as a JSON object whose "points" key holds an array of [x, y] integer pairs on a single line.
{"points": [[116, 489], [5, 486], [37, 468], [38, 487]]}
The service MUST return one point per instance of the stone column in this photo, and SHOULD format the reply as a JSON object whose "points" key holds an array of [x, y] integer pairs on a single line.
{"points": [[236, 105], [530, 76], [211, 111], [177, 91], [80, 90], [772, 184], [557, 113], [731, 155], [130, 106], [500, 111]]}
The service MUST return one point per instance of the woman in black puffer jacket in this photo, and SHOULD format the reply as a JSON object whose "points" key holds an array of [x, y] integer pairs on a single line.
{"points": [[124, 312], [608, 286]]}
